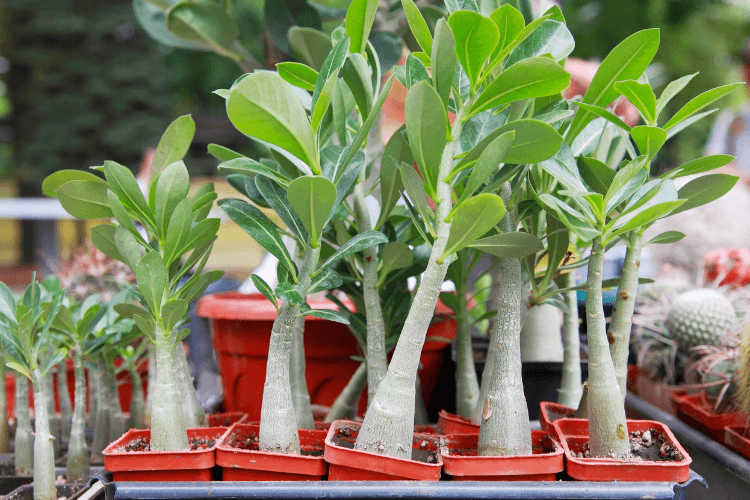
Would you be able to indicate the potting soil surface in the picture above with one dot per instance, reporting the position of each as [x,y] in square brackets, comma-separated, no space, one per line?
[651,446]
[547,445]
[249,441]
[144,444]
[346,436]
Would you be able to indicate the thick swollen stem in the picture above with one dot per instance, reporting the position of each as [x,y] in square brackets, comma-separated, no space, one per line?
[622,314]
[44,453]
[116,418]
[151,381]
[193,414]
[467,385]
[167,427]
[489,361]
[77,466]
[504,424]
[24,438]
[278,423]
[66,408]
[377,361]
[420,410]
[570,386]
[54,424]
[346,403]
[137,405]
[4,435]
[608,431]
[389,423]
[93,392]
[297,380]
[101,425]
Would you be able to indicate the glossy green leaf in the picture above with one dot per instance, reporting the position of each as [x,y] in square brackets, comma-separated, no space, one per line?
[265,289]
[327,315]
[427,129]
[312,198]
[357,75]
[551,37]
[7,303]
[415,189]
[527,79]
[671,90]
[260,228]
[489,161]
[476,38]
[627,180]
[666,238]
[57,179]
[705,189]
[395,153]
[246,185]
[699,102]
[310,45]
[152,18]
[648,139]
[103,238]
[415,71]
[178,230]
[562,166]
[646,217]
[466,5]
[173,145]
[628,60]
[323,102]
[204,22]
[263,107]
[298,74]
[172,187]
[327,279]
[85,199]
[222,153]
[197,288]
[275,195]
[607,115]
[512,245]
[146,325]
[200,233]
[443,60]
[597,175]
[151,275]
[688,122]
[509,23]
[123,218]
[249,167]
[356,244]
[122,182]
[570,217]
[417,25]
[478,132]
[172,312]
[331,66]
[359,18]
[699,166]
[395,255]
[641,96]
[558,241]
[472,220]
[289,293]
[128,247]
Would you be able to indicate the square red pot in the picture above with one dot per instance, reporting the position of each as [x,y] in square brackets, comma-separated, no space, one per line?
[462,463]
[696,410]
[573,433]
[448,423]
[737,438]
[348,464]
[549,412]
[240,464]
[189,465]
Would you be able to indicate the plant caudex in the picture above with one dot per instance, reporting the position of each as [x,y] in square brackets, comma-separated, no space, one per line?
[175,224]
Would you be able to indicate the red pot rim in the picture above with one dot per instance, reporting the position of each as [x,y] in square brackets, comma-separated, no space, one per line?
[122,461]
[545,407]
[461,425]
[229,456]
[366,460]
[513,465]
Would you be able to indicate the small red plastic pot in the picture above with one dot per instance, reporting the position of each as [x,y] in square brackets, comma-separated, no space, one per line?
[226,419]
[462,463]
[737,438]
[448,423]
[732,263]
[573,434]
[348,464]
[189,465]
[238,455]
[696,410]
[549,412]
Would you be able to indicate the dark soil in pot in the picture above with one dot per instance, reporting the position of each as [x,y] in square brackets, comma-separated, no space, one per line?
[347,436]
[248,440]
[650,445]
[141,444]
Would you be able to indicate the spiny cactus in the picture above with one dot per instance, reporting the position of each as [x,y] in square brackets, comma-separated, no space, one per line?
[700,317]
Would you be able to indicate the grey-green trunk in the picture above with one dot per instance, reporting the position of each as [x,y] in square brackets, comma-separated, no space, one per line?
[116,418]
[467,384]
[101,426]
[54,423]
[346,403]
[541,337]
[489,362]
[608,431]
[44,453]
[151,381]
[167,426]
[93,381]
[24,438]
[297,367]
[420,410]
[137,405]
[193,414]
[570,386]
[66,408]
[77,466]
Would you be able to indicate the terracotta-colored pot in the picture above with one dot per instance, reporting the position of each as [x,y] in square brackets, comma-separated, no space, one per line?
[247,463]
[188,465]
[697,411]
[348,464]
[658,393]
[549,412]
[226,419]
[573,434]
[737,438]
[462,463]
[448,423]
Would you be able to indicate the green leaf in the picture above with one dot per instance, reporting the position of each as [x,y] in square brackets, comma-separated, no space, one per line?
[173,145]
[249,167]
[172,187]
[597,175]
[415,71]
[178,230]
[527,79]
[289,293]
[333,160]
[427,129]
[122,182]
[200,233]
[310,45]
[688,122]
[443,60]
[476,38]
[357,74]
[206,23]
[627,180]
[331,67]
[20,369]
[671,90]
[128,311]
[146,325]
[275,195]
[456,5]
[128,247]
[649,139]
[326,314]
[172,312]
[7,303]
[359,18]
[151,275]
[122,216]
[260,228]
[570,217]
[396,152]
[223,154]
[628,60]
[699,165]
[196,288]
[607,115]
[417,25]
[415,189]
[699,102]
[641,96]
[645,217]
[356,244]
[320,107]
[312,198]
[85,199]
[327,279]
[298,74]
[509,23]
[57,179]
[265,289]
[263,107]
[103,238]
[705,189]
[562,166]
[152,18]
[473,219]
[488,162]
[551,37]
[558,241]
[512,245]
[395,255]
[666,237]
